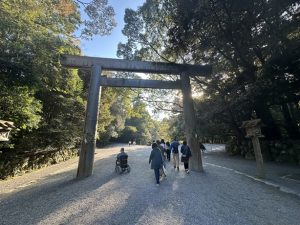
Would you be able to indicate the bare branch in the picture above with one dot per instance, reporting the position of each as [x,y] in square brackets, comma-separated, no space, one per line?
[159,101]
[84,4]
[169,110]
[145,42]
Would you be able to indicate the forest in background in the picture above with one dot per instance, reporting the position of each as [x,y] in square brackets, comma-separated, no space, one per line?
[253,47]
[47,102]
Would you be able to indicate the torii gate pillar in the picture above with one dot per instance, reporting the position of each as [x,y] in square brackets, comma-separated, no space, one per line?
[88,145]
[190,124]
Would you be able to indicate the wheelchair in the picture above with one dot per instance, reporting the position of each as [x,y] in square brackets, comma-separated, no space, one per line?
[122,165]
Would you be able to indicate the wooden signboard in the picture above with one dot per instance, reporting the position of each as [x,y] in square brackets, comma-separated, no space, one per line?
[253,131]
[5,128]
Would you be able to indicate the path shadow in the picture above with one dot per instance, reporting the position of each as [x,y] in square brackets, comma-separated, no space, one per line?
[31,205]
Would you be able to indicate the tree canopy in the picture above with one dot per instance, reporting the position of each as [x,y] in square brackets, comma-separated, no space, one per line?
[253,47]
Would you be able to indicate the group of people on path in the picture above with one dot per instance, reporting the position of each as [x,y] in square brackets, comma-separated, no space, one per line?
[161,152]
[132,143]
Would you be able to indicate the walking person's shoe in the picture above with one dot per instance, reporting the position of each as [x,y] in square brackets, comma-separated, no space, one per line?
[187,172]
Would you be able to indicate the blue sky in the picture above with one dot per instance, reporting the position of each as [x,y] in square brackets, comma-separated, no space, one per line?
[107,46]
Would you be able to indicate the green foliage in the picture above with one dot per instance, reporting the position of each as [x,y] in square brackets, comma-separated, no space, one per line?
[243,41]
[252,46]
[139,126]
[164,127]
[19,105]
[108,96]
[45,101]
[146,30]
[100,18]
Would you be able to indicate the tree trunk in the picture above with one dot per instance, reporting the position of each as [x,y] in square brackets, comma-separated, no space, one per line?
[236,128]
[190,124]
[295,111]
[290,124]
[270,130]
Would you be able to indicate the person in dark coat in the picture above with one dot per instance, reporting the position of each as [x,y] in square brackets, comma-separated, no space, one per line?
[156,161]
[185,157]
[122,155]
[202,147]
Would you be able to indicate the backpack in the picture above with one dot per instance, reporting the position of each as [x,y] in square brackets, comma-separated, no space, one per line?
[175,149]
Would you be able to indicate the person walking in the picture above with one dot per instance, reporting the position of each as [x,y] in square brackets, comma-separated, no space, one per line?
[202,147]
[168,151]
[156,161]
[185,157]
[161,145]
[175,153]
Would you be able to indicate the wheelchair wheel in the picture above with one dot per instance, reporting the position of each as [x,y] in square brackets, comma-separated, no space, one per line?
[117,169]
[128,169]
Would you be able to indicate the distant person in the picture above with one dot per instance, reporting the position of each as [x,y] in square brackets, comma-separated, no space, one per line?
[168,151]
[156,161]
[129,143]
[134,143]
[185,157]
[122,155]
[162,149]
[163,144]
[175,153]
[202,147]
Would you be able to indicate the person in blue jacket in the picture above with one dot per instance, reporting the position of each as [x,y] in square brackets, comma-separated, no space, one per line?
[156,161]
[175,153]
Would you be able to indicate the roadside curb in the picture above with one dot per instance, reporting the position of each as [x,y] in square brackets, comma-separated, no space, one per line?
[264,181]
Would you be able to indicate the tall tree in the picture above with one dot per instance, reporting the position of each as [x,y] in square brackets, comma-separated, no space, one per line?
[241,39]
[44,100]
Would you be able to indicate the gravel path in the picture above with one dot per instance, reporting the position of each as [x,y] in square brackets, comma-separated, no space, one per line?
[277,174]
[216,196]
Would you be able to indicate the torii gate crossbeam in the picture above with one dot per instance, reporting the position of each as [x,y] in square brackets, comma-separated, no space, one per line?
[73,61]
[139,83]
[88,146]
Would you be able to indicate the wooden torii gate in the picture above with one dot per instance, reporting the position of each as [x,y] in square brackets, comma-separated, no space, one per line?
[86,159]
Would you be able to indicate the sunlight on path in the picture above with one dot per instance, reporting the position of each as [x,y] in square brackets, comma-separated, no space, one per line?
[26,180]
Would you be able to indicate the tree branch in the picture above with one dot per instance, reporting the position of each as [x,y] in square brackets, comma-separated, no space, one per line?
[145,42]
[159,101]
[84,4]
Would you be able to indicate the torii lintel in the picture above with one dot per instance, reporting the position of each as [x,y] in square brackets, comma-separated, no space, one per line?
[73,61]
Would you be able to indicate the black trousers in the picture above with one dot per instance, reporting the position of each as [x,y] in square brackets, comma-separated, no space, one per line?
[156,173]
[186,165]
[168,154]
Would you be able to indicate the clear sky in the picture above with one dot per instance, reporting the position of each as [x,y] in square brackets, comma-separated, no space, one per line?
[107,46]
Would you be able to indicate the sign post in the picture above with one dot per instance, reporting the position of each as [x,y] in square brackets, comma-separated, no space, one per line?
[253,131]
